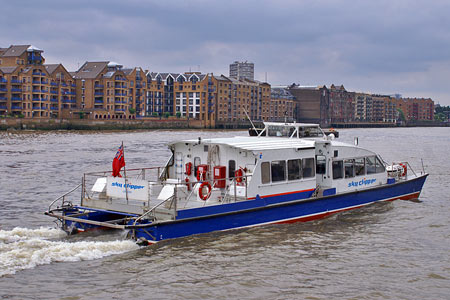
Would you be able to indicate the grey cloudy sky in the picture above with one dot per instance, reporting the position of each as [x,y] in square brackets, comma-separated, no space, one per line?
[385,46]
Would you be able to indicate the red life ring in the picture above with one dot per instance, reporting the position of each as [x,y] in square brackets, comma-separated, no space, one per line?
[188,168]
[405,169]
[238,175]
[202,196]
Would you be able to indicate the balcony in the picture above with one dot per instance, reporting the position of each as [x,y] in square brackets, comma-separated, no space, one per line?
[98,93]
[36,72]
[44,81]
[15,81]
[16,99]
[44,91]
[36,90]
[54,100]
[37,99]
[3,90]
[16,107]
[3,80]
[63,84]
[54,92]
[99,86]
[37,107]
[119,109]
[54,108]
[3,98]
[54,83]
[99,101]
[68,101]
[3,107]
[36,82]
[73,85]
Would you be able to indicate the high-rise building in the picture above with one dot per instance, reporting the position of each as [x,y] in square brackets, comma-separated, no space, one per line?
[242,70]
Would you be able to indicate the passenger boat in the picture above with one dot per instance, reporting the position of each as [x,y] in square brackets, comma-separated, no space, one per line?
[288,172]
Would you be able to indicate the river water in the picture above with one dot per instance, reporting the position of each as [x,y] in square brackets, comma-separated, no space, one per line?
[396,250]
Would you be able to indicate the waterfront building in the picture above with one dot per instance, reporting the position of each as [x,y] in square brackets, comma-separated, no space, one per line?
[137,91]
[31,89]
[313,104]
[242,70]
[236,95]
[103,91]
[416,109]
[341,109]
[282,105]
[189,95]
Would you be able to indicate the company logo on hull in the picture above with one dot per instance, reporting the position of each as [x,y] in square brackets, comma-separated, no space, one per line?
[362,182]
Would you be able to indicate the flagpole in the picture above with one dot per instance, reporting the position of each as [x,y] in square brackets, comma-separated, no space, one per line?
[125,173]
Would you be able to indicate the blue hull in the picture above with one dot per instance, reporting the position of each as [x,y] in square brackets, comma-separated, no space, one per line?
[271,210]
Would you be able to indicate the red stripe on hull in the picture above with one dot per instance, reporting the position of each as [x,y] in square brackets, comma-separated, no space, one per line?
[326,214]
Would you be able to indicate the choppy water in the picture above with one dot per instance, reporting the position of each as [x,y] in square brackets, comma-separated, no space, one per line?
[398,250]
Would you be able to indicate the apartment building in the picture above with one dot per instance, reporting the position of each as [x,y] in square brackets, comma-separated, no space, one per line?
[282,105]
[31,89]
[235,96]
[106,91]
[341,104]
[189,95]
[242,70]
[418,109]
[313,104]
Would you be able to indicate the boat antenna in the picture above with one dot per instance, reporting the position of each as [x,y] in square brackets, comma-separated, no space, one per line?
[253,125]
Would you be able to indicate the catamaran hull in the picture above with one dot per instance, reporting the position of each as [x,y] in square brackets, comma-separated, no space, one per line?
[258,212]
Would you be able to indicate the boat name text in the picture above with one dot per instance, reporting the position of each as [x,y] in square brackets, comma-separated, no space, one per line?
[361,182]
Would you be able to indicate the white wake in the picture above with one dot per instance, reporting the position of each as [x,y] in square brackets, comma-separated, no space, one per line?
[23,248]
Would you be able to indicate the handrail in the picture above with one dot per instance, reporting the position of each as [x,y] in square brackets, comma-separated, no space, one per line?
[62,196]
[152,209]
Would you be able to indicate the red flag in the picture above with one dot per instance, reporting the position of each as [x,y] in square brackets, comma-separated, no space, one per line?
[118,162]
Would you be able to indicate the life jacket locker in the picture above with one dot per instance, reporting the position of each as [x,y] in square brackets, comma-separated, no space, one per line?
[220,175]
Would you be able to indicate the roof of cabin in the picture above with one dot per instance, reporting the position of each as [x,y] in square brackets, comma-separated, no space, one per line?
[257,143]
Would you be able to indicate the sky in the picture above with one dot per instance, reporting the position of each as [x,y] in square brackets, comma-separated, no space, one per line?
[383,46]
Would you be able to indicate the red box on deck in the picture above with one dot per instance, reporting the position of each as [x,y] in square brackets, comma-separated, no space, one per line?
[220,175]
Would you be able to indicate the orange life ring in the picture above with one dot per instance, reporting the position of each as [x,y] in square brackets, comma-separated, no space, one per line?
[202,196]
[405,169]
[188,168]
[238,175]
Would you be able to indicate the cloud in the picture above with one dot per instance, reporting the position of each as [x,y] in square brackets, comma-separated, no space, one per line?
[383,46]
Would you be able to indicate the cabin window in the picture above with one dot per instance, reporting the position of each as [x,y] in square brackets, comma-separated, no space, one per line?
[338,168]
[308,167]
[265,172]
[294,169]
[379,167]
[321,166]
[349,168]
[231,168]
[197,161]
[359,167]
[278,169]
[370,165]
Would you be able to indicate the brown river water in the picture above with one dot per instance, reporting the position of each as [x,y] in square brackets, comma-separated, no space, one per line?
[397,250]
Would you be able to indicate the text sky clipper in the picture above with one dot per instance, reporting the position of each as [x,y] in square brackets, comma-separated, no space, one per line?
[285,172]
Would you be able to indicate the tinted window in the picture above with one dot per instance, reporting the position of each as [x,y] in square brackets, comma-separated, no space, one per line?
[338,169]
[359,167]
[321,166]
[231,168]
[370,165]
[294,169]
[349,168]
[265,172]
[308,167]
[278,169]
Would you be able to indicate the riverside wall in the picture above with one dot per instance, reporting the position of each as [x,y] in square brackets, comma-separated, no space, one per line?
[75,124]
